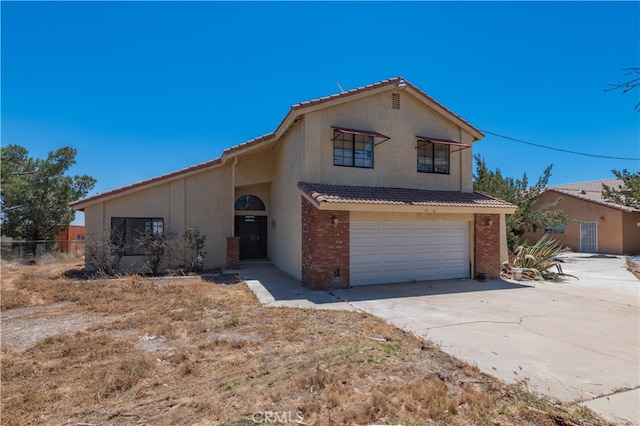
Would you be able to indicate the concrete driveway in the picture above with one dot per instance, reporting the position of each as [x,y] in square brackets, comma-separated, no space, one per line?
[572,340]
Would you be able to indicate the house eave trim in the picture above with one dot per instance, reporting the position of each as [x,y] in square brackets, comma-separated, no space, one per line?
[364,207]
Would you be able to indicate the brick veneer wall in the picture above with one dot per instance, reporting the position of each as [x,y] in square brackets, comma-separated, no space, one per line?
[233,252]
[487,245]
[325,248]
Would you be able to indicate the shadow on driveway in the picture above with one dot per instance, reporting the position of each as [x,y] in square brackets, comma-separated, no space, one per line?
[424,288]
[274,287]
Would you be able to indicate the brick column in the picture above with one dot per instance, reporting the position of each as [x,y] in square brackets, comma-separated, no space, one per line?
[486,238]
[325,248]
[233,252]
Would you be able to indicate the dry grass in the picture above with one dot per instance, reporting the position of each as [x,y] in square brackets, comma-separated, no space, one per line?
[186,351]
[634,268]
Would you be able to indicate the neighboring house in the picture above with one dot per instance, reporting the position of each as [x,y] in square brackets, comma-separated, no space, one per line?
[598,225]
[372,185]
[71,239]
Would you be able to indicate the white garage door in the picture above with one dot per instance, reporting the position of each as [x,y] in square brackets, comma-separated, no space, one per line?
[401,251]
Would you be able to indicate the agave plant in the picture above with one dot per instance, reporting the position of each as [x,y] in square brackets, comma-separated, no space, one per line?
[537,261]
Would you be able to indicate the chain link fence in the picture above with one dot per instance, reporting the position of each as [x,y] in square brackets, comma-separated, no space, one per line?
[32,250]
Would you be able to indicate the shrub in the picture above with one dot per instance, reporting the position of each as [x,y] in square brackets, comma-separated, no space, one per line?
[153,244]
[537,261]
[104,254]
[194,241]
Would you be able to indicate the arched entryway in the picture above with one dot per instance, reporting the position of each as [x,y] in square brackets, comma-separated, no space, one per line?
[251,227]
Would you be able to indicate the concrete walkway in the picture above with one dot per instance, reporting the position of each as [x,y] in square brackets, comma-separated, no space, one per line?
[273,287]
[573,340]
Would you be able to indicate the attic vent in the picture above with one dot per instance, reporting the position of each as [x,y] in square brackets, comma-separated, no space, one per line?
[395,100]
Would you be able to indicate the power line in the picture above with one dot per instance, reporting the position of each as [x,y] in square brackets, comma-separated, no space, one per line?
[560,149]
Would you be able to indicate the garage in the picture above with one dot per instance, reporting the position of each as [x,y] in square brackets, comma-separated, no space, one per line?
[385,251]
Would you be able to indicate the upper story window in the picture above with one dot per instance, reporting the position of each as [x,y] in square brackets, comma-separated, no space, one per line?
[352,149]
[434,154]
[433,157]
[126,232]
[249,202]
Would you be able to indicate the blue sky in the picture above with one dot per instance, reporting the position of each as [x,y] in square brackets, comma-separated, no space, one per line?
[142,89]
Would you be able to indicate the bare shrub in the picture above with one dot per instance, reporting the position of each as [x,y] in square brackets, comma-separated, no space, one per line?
[103,253]
[154,245]
[189,249]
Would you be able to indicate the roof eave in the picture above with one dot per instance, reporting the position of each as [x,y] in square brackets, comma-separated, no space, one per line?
[611,205]
[410,208]
[371,89]
[81,204]
[294,114]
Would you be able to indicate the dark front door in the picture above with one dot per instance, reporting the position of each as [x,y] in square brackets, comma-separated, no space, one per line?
[252,231]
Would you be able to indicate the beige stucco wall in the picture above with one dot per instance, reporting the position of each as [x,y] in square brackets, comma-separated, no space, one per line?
[255,167]
[207,207]
[395,159]
[610,223]
[95,229]
[198,201]
[285,238]
[261,191]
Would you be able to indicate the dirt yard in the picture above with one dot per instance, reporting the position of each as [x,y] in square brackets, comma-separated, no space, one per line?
[195,351]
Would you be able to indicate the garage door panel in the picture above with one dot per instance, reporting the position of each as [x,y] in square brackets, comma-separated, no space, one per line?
[399,242]
[396,275]
[403,256]
[430,246]
[427,225]
[454,249]
[428,267]
[365,224]
[401,251]
[395,225]
[428,241]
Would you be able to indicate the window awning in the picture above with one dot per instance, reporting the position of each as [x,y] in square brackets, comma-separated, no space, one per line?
[442,141]
[363,133]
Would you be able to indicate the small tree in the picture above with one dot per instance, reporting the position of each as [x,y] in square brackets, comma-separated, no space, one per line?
[531,215]
[627,194]
[36,193]
[188,250]
[103,253]
[194,241]
[154,245]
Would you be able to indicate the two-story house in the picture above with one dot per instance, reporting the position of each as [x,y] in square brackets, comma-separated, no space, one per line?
[368,186]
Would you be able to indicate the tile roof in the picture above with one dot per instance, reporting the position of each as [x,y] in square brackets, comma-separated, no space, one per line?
[295,110]
[389,82]
[146,182]
[322,193]
[592,191]
[187,170]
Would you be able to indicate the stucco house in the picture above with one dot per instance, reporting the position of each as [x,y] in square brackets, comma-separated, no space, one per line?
[597,225]
[371,185]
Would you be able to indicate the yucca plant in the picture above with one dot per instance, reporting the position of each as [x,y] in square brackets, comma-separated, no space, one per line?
[537,261]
